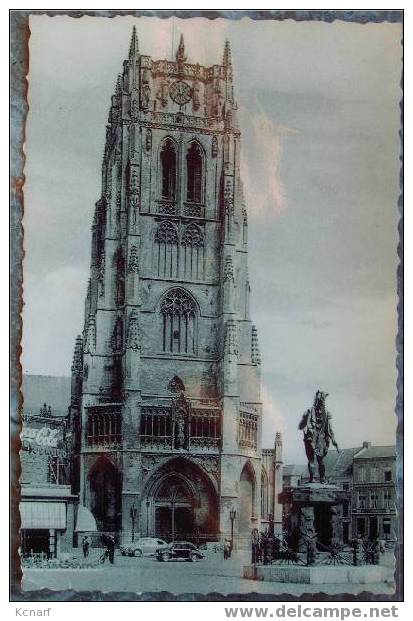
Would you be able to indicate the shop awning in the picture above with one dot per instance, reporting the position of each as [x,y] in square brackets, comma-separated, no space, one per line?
[40,515]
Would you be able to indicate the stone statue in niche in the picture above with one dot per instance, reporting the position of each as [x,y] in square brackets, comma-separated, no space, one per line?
[135,183]
[134,110]
[196,100]
[181,408]
[145,90]
[176,385]
[218,101]
[180,432]
[163,93]
[148,140]
[317,434]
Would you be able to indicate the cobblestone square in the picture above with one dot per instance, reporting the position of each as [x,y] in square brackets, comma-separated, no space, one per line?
[211,575]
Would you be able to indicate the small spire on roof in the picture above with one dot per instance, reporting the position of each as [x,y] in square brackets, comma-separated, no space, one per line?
[180,53]
[118,88]
[226,61]
[134,44]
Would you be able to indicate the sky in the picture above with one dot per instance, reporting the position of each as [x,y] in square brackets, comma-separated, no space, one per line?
[319,114]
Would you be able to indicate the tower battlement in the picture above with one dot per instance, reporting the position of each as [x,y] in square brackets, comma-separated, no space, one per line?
[175,92]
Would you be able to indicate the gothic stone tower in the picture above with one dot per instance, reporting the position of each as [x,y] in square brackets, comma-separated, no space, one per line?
[166,406]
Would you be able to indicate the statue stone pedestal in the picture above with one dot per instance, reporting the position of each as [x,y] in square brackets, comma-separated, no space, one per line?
[314,509]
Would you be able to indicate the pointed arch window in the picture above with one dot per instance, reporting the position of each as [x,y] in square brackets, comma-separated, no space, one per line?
[166,251]
[179,322]
[194,173]
[192,254]
[168,170]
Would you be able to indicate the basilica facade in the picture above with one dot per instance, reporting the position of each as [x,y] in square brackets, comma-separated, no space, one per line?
[166,412]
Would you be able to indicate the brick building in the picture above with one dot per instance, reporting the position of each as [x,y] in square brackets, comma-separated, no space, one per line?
[166,408]
[47,504]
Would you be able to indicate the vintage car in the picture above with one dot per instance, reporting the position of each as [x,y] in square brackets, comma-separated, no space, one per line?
[144,546]
[180,550]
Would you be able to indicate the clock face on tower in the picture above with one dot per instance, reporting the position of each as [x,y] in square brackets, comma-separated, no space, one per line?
[180,92]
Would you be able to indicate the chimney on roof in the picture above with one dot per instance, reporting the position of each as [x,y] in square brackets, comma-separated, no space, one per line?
[366,445]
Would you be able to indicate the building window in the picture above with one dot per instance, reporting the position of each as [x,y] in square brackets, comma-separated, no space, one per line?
[374,500]
[361,475]
[179,319]
[166,251]
[205,428]
[192,253]
[104,429]
[387,528]
[388,476]
[387,499]
[194,173]
[362,501]
[346,486]
[168,170]
[374,475]
[345,509]
[157,428]
[57,471]
[247,430]
[361,526]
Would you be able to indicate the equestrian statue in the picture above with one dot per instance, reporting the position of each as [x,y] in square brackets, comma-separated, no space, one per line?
[318,432]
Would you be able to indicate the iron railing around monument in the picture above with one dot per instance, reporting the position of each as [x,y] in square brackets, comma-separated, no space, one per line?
[268,550]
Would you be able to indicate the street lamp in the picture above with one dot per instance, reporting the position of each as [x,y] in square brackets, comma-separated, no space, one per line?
[232,515]
[147,517]
[133,514]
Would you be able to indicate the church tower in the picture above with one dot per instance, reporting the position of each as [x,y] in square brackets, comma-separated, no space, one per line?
[166,407]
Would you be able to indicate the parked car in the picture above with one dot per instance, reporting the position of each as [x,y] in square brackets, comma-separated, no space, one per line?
[180,550]
[145,546]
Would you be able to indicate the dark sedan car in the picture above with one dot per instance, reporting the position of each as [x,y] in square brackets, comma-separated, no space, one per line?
[180,550]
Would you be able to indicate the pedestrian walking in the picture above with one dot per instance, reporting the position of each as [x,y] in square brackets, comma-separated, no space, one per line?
[105,553]
[111,545]
[85,546]
[255,546]
[227,549]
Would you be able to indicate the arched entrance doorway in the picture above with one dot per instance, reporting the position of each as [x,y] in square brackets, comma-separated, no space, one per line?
[105,501]
[246,498]
[174,509]
[181,502]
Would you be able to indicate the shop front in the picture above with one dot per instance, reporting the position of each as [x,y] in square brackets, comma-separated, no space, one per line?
[47,503]
[47,520]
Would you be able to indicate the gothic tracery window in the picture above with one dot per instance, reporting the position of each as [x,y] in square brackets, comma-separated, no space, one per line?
[168,170]
[194,165]
[166,251]
[192,243]
[179,322]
